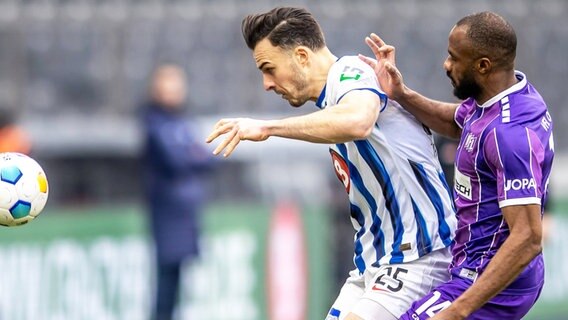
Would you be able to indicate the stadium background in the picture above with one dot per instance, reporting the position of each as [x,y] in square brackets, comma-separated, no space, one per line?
[74,71]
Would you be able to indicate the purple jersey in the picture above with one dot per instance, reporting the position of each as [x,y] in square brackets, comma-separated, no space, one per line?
[504,158]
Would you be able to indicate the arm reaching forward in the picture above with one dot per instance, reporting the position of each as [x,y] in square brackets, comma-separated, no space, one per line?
[352,119]
[437,115]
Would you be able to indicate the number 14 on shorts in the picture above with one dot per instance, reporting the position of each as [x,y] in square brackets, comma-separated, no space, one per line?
[431,306]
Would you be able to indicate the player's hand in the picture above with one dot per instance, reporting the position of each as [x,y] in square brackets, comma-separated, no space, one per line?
[390,78]
[237,129]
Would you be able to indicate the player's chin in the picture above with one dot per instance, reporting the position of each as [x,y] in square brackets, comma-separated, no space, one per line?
[296,103]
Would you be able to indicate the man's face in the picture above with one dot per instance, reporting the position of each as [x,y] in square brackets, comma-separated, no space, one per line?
[281,72]
[169,86]
[459,65]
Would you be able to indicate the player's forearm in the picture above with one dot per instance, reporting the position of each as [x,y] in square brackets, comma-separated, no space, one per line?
[509,261]
[335,125]
[437,115]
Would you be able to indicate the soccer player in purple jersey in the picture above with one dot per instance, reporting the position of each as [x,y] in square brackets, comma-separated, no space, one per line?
[502,164]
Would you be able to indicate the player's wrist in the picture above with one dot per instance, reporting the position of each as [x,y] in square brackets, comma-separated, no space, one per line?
[403,95]
[269,128]
[461,308]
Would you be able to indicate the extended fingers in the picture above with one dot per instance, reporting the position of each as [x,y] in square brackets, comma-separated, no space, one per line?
[221,123]
[221,127]
[232,145]
[230,136]
[378,46]
[374,42]
[374,46]
[371,62]
[377,40]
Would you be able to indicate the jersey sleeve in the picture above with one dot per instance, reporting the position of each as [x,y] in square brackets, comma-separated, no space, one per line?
[516,156]
[353,74]
[462,111]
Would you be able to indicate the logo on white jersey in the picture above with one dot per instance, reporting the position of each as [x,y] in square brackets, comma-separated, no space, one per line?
[462,184]
[518,184]
[341,169]
[469,142]
[350,73]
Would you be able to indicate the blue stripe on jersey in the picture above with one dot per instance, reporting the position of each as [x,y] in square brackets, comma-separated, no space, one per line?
[381,95]
[321,97]
[378,236]
[379,171]
[358,258]
[423,240]
[422,177]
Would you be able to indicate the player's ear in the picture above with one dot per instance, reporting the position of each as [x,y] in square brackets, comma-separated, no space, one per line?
[483,65]
[302,55]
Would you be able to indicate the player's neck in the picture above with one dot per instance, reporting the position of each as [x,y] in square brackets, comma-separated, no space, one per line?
[323,61]
[497,83]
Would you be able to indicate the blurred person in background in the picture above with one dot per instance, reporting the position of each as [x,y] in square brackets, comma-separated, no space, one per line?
[13,138]
[399,205]
[503,164]
[175,163]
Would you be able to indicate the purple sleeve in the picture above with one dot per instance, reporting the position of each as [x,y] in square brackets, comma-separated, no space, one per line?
[462,111]
[515,155]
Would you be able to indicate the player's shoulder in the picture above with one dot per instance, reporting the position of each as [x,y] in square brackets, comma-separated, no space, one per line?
[351,70]
[352,61]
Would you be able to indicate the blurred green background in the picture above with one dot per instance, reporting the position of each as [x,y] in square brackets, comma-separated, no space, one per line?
[96,264]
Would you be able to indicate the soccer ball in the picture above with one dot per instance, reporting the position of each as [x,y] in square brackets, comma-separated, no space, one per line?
[23,189]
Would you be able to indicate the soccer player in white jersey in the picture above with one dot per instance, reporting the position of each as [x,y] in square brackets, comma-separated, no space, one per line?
[400,205]
[503,164]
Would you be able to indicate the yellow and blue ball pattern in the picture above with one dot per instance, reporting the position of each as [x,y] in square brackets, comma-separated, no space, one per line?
[23,189]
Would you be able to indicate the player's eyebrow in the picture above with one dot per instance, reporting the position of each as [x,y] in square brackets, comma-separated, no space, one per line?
[262,65]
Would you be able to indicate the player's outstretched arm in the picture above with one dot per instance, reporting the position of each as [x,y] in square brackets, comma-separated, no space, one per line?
[352,119]
[520,248]
[437,115]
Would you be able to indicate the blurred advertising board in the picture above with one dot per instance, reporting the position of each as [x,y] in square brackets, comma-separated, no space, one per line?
[97,264]
[88,264]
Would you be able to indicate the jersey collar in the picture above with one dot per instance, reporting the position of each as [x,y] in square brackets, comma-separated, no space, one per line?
[516,87]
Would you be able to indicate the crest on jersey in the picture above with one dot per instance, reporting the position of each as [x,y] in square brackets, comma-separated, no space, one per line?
[469,142]
[341,169]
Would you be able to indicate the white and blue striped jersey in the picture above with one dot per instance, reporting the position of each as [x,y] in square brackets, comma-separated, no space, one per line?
[401,206]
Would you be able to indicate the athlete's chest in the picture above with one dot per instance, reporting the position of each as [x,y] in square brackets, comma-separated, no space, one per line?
[470,155]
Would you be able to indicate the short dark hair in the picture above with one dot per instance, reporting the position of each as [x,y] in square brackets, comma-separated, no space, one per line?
[491,36]
[285,27]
